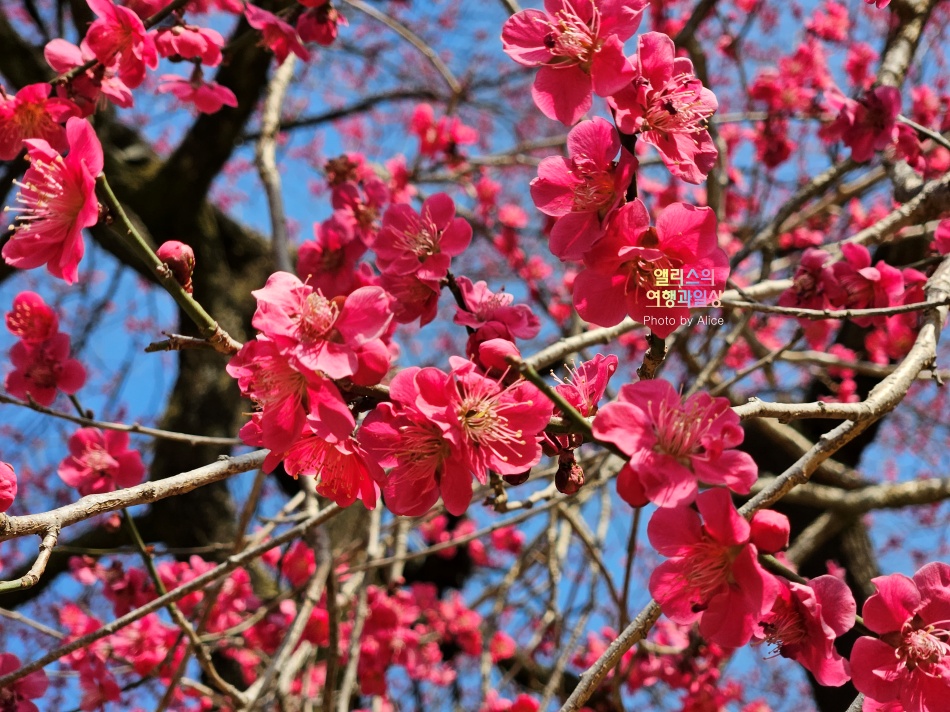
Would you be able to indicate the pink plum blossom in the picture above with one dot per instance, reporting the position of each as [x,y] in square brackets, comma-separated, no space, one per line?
[86,88]
[421,243]
[8,486]
[57,200]
[278,36]
[867,125]
[804,622]
[855,284]
[909,660]
[413,297]
[328,262]
[32,319]
[809,288]
[100,462]
[16,697]
[345,472]
[485,307]
[320,23]
[118,36]
[207,97]
[620,268]
[673,445]
[578,47]
[400,437]
[496,428]
[42,369]
[190,42]
[32,114]
[811,285]
[582,190]
[285,395]
[441,429]
[444,136]
[338,337]
[712,572]
[587,383]
[669,108]
[144,643]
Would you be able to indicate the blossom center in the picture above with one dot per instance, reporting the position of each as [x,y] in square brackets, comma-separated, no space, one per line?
[859,289]
[423,446]
[99,461]
[707,568]
[572,39]
[595,192]
[30,118]
[317,317]
[783,626]
[677,107]
[421,240]
[923,647]
[485,423]
[680,429]
[43,372]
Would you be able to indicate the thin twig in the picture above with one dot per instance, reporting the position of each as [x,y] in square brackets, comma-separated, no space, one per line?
[121,427]
[265,155]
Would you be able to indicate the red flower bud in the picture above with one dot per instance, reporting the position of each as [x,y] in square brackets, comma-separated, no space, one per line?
[180,259]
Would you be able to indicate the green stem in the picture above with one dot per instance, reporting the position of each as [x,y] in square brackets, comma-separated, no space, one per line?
[209,328]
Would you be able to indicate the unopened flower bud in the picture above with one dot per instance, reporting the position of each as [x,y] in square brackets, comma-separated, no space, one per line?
[180,259]
[515,480]
[569,477]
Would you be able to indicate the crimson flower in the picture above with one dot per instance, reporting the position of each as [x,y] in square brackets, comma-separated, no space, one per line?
[278,36]
[421,243]
[443,136]
[497,428]
[8,487]
[119,37]
[578,45]
[810,283]
[399,436]
[320,23]
[620,268]
[909,661]
[32,114]
[338,337]
[57,200]
[327,450]
[586,383]
[855,284]
[328,262]
[32,319]
[284,394]
[713,573]
[484,307]
[42,369]
[673,445]
[190,42]
[441,429]
[16,697]
[207,97]
[867,125]
[804,622]
[86,88]
[100,462]
[668,107]
[581,191]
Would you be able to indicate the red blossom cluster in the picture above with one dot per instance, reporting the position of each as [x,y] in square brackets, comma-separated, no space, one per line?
[42,364]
